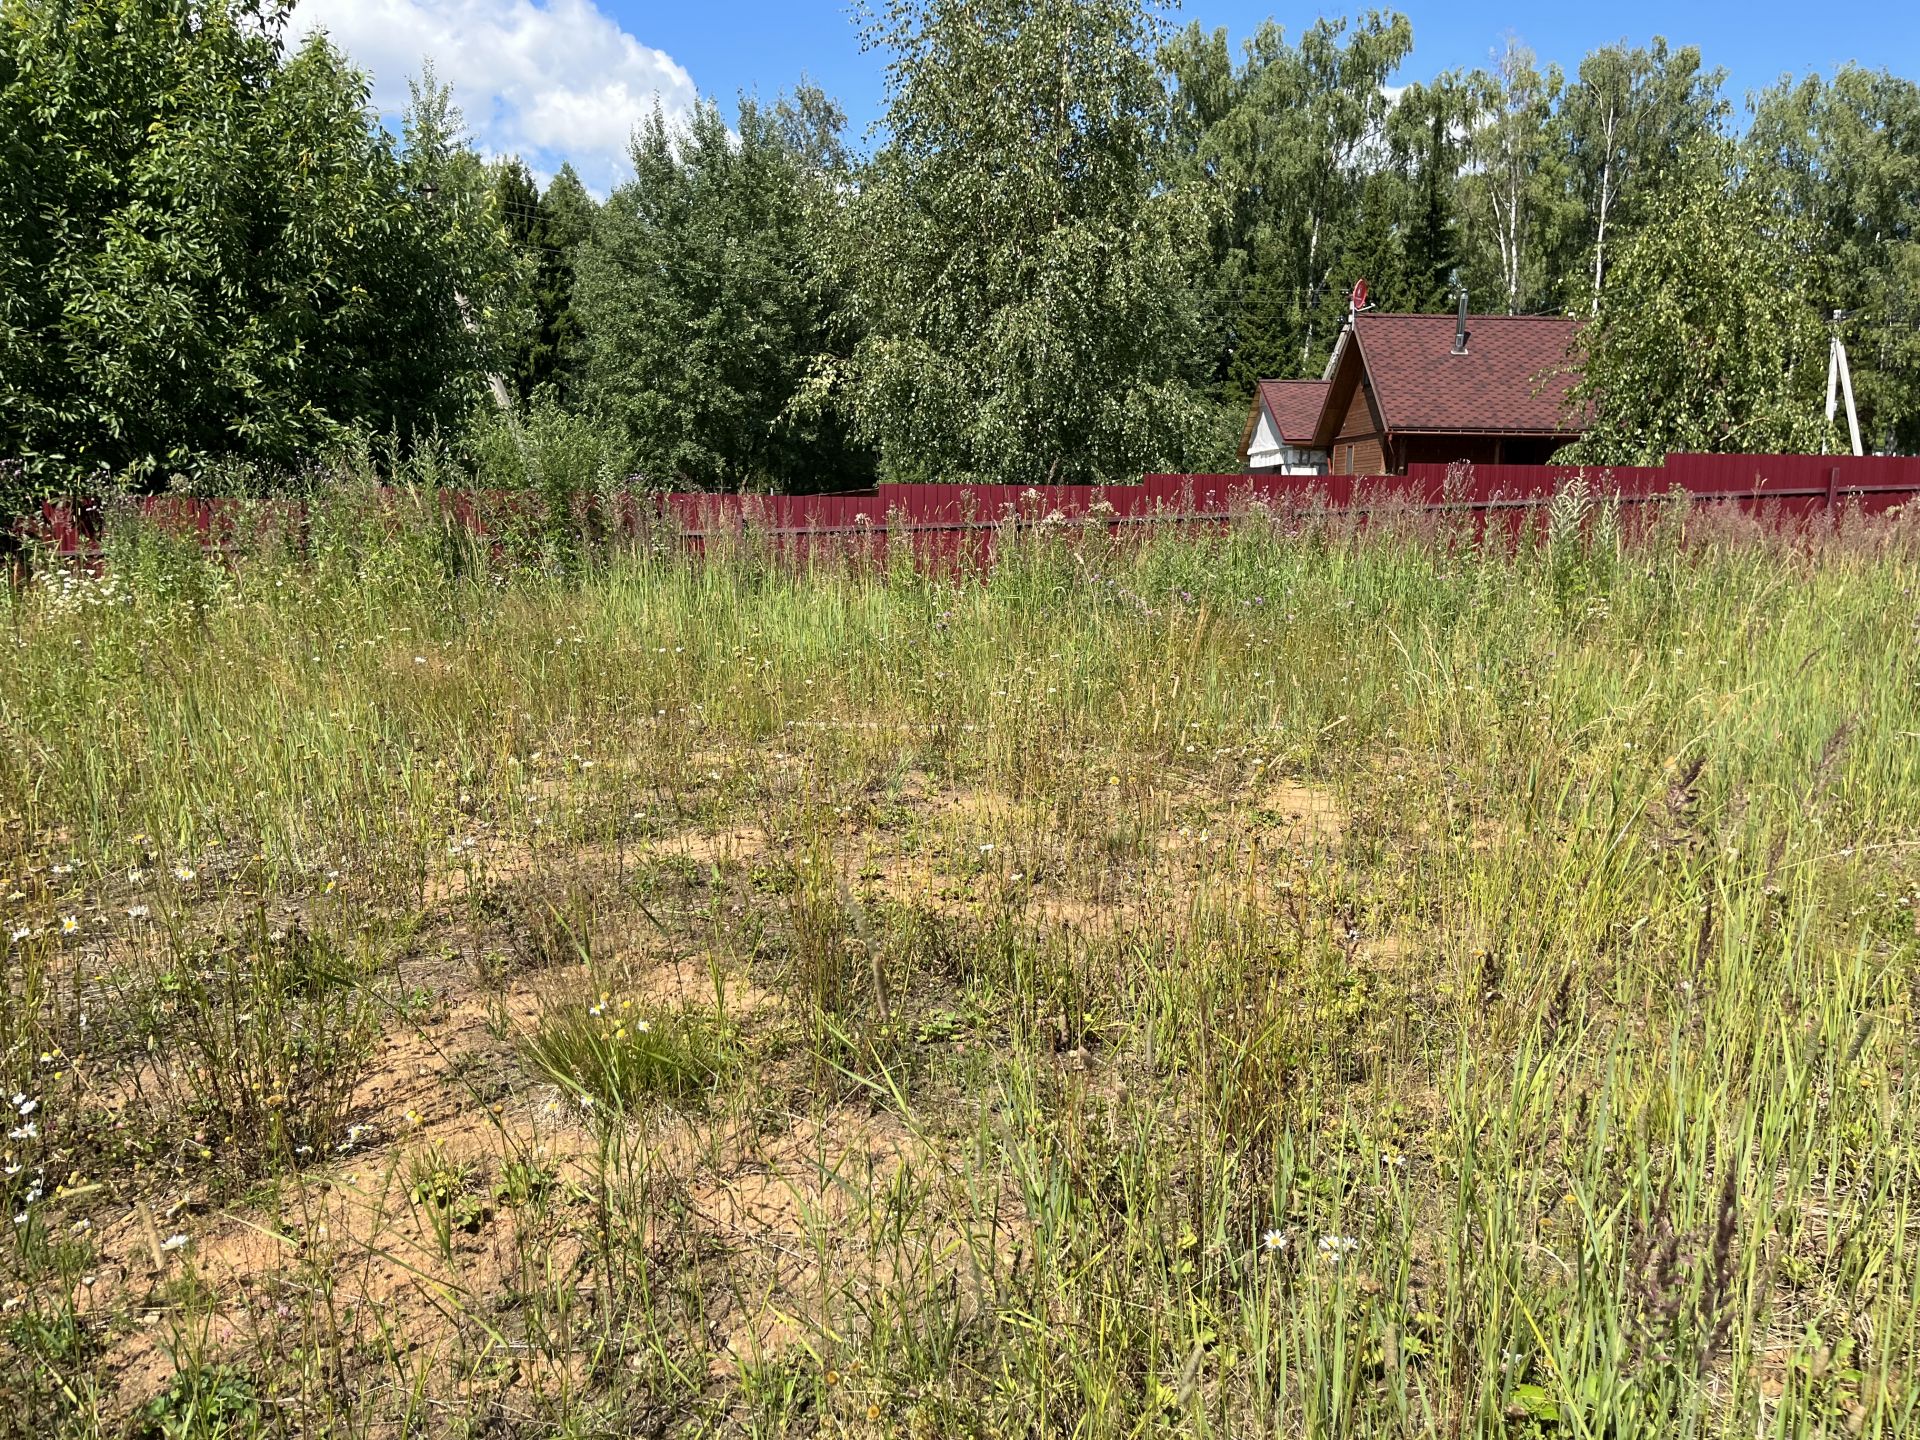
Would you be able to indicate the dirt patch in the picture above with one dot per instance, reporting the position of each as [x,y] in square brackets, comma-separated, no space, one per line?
[806,1219]
[712,849]
[697,984]
[1307,813]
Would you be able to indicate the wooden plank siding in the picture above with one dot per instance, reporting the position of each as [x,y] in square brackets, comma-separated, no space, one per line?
[1360,443]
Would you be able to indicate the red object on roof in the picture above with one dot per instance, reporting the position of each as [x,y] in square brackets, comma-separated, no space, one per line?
[1512,380]
[1295,406]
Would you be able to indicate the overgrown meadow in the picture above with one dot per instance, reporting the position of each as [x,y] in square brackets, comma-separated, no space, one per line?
[1285,980]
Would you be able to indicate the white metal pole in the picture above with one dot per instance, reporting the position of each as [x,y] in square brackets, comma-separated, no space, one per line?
[1846,388]
[1833,386]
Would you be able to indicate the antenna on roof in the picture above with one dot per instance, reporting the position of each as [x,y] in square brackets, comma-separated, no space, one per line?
[1840,378]
[1460,327]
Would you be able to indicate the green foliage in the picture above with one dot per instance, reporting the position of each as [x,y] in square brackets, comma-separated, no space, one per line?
[1624,121]
[1843,157]
[1705,338]
[1509,189]
[1432,247]
[547,232]
[1081,242]
[1019,275]
[1288,148]
[609,1056]
[704,301]
[565,468]
[213,1402]
[207,249]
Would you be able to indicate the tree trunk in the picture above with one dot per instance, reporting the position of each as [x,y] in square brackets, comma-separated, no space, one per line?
[1610,129]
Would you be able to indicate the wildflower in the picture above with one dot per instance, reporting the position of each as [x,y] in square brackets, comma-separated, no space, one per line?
[183,873]
[641,1027]
[28,1131]
[25,1106]
[135,875]
[1274,1241]
[137,912]
[69,924]
[23,932]
[1334,1248]
[173,1242]
[63,869]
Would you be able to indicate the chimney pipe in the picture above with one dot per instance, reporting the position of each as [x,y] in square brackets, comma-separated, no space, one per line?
[1460,327]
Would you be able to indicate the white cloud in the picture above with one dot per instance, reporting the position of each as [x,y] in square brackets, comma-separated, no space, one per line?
[549,82]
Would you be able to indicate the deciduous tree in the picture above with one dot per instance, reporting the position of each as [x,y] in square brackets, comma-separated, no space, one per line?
[1704,338]
[1020,275]
[208,250]
[703,303]
[1843,157]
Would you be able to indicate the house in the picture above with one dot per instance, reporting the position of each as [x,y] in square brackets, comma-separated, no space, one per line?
[1411,389]
[1278,438]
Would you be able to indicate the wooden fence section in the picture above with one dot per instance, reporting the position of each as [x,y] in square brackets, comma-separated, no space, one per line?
[958,520]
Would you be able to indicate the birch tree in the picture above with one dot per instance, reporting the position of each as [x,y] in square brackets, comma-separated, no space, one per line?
[1506,189]
[1289,142]
[1020,277]
[1706,337]
[1625,115]
[1843,157]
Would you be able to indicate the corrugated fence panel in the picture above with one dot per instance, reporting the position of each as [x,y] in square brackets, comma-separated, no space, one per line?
[957,522]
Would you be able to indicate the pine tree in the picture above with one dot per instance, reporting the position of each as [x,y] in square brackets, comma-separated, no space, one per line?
[547,230]
[1432,247]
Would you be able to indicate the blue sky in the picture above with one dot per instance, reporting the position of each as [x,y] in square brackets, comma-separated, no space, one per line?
[566,79]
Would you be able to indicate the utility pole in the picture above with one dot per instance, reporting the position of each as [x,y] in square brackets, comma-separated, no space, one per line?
[1840,382]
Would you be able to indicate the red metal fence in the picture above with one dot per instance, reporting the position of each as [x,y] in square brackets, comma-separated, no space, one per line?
[961,519]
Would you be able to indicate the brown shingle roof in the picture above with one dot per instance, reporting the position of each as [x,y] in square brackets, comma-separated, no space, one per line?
[1513,379]
[1295,407]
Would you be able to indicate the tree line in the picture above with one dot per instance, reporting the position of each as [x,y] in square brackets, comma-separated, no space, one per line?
[1078,238]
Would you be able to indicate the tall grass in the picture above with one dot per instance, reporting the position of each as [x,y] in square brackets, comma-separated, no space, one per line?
[1285,980]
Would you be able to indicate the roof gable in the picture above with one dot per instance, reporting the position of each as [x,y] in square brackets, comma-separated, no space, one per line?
[1294,406]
